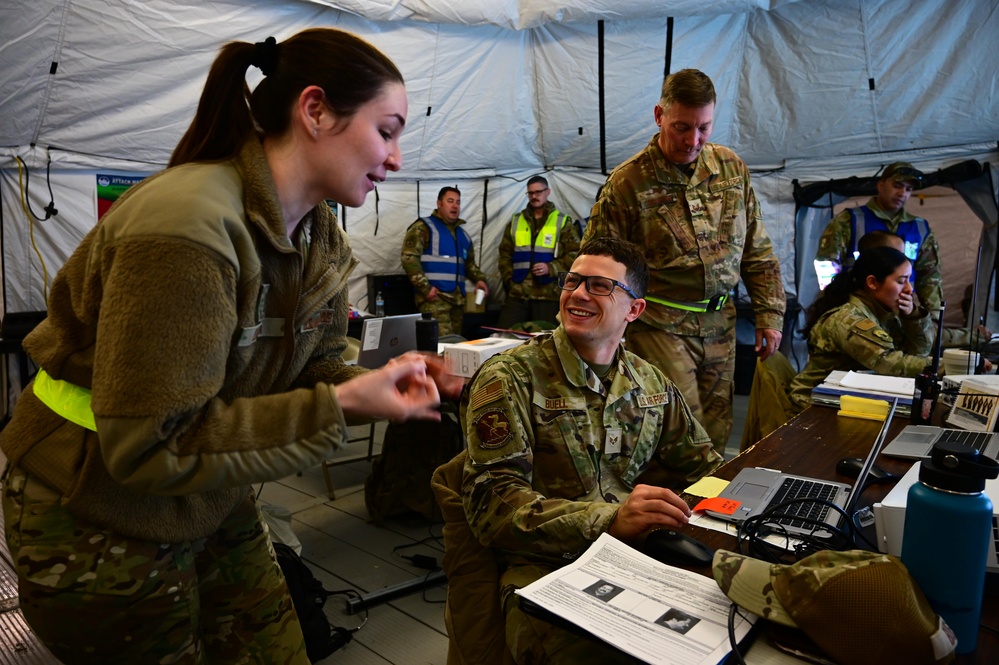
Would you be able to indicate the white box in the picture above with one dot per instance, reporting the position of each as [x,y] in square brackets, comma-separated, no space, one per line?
[463,358]
[889,517]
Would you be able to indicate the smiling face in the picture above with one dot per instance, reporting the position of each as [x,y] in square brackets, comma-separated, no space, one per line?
[683,130]
[359,151]
[596,324]
[888,291]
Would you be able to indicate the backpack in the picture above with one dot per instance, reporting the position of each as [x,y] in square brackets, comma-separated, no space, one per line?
[309,596]
[399,482]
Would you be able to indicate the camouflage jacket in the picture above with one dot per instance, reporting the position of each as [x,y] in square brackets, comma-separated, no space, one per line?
[701,234]
[863,335]
[568,248]
[413,245]
[552,450]
[835,244]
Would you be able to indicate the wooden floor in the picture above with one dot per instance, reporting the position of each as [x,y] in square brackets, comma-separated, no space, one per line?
[346,552]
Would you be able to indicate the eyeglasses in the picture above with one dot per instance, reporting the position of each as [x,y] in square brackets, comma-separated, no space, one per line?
[537,192]
[595,285]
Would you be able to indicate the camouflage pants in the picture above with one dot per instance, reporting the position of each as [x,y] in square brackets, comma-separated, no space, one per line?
[450,315]
[93,596]
[518,310]
[703,368]
[534,641]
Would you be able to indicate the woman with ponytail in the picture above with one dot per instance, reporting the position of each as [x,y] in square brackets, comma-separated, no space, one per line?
[193,347]
[865,320]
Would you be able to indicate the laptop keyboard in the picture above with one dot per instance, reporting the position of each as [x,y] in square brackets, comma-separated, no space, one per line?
[977,439]
[796,488]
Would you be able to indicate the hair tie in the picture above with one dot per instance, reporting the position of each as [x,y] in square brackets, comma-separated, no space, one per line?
[265,56]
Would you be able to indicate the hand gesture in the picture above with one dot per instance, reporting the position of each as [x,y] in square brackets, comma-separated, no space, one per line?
[399,391]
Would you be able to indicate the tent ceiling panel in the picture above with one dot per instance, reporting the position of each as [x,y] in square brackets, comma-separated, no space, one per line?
[475,83]
[934,86]
[522,14]
[28,47]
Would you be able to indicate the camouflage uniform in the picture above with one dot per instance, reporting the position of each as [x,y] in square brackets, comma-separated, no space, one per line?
[836,243]
[148,595]
[595,440]
[863,335]
[527,300]
[857,606]
[702,234]
[447,308]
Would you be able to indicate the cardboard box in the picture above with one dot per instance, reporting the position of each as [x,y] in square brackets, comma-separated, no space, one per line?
[463,358]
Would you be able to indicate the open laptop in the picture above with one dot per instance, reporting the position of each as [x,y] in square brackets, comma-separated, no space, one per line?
[758,489]
[385,337]
[916,441]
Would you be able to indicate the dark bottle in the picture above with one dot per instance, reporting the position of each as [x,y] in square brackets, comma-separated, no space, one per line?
[924,397]
[927,384]
[946,538]
[426,333]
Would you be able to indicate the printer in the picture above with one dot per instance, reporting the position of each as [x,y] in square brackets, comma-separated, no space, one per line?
[889,517]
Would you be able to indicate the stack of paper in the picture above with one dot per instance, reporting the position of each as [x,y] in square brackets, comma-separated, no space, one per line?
[860,384]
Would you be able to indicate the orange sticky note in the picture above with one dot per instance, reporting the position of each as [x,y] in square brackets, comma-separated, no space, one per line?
[719,505]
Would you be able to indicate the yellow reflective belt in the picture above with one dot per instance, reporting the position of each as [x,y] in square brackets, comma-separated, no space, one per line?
[709,305]
[69,401]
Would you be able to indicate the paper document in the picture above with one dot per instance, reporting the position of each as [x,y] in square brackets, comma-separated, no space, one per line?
[649,610]
[976,407]
[896,385]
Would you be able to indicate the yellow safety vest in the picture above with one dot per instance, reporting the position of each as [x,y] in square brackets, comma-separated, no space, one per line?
[70,401]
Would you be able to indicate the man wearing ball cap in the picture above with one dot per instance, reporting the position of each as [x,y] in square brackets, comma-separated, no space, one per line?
[859,607]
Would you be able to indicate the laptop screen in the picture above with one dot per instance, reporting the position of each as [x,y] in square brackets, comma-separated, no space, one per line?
[865,470]
[385,337]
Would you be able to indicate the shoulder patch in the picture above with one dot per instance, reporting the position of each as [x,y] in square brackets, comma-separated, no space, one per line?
[880,333]
[490,392]
[866,324]
[493,429]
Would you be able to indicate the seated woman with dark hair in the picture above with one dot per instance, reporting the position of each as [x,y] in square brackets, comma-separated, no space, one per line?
[865,320]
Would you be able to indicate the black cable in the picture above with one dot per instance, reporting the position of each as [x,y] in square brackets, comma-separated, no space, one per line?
[753,530]
[736,654]
[50,210]
[426,588]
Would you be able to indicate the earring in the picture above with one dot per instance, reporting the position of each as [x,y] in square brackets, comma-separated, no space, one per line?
[315,132]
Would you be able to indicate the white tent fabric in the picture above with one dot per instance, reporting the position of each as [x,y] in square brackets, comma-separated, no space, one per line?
[499,90]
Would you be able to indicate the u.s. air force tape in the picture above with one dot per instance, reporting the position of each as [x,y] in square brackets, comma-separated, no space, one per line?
[658,399]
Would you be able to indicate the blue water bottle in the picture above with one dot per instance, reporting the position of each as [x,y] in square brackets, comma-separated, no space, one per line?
[945,541]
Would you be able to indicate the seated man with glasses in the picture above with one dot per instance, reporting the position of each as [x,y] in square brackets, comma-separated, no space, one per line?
[569,436]
[539,243]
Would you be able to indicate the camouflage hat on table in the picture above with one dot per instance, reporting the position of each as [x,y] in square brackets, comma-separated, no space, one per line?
[858,606]
[903,172]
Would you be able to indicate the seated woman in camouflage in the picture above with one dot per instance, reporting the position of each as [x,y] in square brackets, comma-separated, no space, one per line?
[866,320]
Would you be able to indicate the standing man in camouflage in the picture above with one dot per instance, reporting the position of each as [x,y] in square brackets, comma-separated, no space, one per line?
[438,255]
[886,212]
[570,436]
[690,204]
[540,243]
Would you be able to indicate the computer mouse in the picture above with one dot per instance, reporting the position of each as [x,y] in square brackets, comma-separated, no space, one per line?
[851,466]
[677,549]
